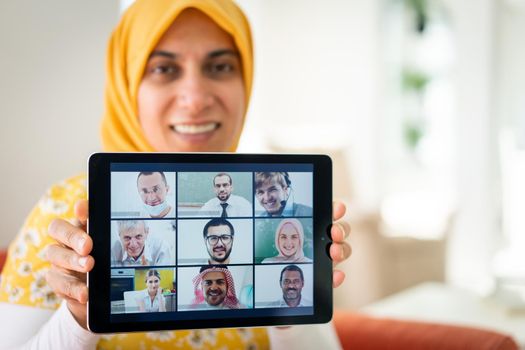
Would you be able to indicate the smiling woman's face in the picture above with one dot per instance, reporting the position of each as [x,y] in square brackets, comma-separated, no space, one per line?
[191,97]
[289,240]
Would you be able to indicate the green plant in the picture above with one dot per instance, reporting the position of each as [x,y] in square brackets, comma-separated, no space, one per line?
[420,11]
[413,80]
[413,132]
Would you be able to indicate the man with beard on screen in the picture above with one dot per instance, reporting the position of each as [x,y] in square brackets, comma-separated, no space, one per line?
[225,204]
[214,289]
[218,237]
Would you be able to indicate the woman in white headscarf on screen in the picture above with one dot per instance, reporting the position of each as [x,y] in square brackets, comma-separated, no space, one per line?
[289,242]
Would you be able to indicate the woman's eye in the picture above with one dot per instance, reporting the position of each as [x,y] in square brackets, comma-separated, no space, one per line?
[164,69]
[162,72]
[222,69]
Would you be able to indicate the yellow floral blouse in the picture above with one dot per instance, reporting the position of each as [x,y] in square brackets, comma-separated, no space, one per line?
[23,282]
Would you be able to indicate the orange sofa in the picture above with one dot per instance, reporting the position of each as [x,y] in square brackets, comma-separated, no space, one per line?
[358,331]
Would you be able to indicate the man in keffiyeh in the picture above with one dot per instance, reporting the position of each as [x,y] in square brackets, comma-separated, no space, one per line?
[214,288]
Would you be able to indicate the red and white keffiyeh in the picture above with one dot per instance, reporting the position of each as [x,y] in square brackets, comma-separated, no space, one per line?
[230,301]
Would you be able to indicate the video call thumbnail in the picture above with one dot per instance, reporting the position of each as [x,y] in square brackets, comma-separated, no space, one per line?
[215,241]
[215,194]
[215,287]
[284,240]
[289,285]
[283,194]
[143,195]
[143,290]
[143,242]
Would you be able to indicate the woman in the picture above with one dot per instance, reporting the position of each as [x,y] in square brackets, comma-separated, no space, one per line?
[152,299]
[179,76]
[289,242]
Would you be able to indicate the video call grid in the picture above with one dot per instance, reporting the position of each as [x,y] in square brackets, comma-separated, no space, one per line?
[178,219]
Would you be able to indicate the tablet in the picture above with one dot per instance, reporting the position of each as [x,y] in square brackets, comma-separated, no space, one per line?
[186,241]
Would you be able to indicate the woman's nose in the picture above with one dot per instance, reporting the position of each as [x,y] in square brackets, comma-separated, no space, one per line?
[194,93]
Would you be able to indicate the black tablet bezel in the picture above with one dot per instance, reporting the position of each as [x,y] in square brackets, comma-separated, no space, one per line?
[99,221]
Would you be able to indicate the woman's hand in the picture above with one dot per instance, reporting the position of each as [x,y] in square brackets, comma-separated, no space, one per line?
[339,250]
[70,260]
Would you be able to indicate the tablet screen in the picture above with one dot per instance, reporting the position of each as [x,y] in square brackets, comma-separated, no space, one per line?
[209,241]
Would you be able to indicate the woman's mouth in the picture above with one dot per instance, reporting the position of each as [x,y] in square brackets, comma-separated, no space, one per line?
[194,129]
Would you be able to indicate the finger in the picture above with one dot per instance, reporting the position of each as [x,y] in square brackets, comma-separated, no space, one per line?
[339,209]
[340,231]
[81,211]
[338,278]
[71,236]
[81,276]
[68,259]
[340,251]
[65,285]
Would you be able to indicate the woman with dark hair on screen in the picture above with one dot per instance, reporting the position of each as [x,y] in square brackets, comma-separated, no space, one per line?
[179,77]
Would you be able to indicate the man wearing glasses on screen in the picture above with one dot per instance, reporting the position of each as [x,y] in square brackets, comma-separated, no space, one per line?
[218,236]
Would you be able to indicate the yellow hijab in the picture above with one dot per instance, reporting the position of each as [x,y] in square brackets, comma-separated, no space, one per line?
[130,45]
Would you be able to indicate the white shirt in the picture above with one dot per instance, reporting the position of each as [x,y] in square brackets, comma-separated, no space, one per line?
[237,206]
[150,306]
[155,253]
[282,303]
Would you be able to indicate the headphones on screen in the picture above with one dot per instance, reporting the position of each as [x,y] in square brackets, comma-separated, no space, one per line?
[287,179]
[288,190]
